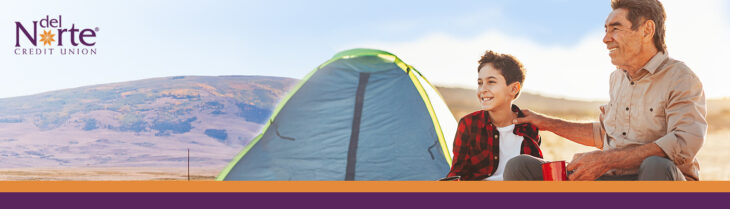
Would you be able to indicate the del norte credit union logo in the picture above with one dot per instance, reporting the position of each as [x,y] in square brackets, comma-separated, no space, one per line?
[50,36]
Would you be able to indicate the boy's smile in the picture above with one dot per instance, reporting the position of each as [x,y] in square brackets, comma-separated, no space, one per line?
[486,99]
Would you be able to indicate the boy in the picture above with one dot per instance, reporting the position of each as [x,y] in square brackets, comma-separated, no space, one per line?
[487,139]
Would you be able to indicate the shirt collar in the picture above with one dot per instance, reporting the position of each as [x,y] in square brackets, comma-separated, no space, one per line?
[522,129]
[654,62]
[514,109]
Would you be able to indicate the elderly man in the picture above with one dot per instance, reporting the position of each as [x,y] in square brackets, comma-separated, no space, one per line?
[654,123]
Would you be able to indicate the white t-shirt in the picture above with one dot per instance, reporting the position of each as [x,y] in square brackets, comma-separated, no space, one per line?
[509,147]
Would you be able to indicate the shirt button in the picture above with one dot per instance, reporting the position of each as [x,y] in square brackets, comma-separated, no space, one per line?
[632,83]
[651,109]
[496,136]
[627,108]
[495,157]
[624,133]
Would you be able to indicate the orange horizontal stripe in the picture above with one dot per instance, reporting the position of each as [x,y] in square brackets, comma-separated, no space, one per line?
[358,186]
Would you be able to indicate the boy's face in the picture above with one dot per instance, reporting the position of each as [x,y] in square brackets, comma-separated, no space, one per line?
[493,91]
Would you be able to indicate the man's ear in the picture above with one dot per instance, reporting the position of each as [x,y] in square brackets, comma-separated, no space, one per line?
[648,29]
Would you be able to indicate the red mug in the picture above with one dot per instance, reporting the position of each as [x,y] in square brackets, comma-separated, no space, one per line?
[554,171]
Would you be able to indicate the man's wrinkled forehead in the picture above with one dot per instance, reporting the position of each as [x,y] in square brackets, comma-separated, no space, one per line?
[617,17]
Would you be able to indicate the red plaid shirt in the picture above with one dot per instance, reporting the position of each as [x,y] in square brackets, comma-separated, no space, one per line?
[476,145]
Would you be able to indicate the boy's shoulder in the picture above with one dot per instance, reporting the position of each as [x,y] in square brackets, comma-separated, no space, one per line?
[477,119]
[476,115]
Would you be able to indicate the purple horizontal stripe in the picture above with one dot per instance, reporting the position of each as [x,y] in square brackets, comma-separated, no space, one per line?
[364,200]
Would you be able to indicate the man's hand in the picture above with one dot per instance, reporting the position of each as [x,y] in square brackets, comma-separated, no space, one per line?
[577,155]
[533,118]
[588,166]
[581,133]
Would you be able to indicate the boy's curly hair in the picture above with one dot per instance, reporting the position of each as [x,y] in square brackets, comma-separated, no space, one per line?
[508,65]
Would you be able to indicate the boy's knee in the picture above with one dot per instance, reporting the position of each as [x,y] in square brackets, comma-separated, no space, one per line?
[521,161]
[523,167]
[659,168]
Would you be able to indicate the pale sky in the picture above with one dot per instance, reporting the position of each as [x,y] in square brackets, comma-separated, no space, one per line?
[559,41]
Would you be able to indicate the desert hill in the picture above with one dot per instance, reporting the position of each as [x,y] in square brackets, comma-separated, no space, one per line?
[149,122]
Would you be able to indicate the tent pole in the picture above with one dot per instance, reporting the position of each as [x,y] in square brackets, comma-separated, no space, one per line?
[188,164]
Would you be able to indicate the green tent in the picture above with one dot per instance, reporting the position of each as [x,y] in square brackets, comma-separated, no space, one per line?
[362,115]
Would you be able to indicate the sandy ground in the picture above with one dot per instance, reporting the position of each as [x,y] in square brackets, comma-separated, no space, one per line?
[109,174]
[714,157]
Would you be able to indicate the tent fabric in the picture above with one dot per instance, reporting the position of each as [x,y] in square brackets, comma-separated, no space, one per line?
[362,115]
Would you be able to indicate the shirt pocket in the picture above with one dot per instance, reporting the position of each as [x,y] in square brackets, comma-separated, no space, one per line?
[609,118]
[654,124]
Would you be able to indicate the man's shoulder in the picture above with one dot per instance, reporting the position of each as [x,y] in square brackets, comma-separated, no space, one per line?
[675,67]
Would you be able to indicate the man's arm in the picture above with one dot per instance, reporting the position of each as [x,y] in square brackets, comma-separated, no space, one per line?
[591,165]
[631,157]
[581,133]
[686,123]
[686,127]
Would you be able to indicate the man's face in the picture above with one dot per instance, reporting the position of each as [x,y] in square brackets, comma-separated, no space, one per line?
[623,43]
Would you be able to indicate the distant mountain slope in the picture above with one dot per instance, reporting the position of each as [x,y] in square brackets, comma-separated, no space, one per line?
[148,122]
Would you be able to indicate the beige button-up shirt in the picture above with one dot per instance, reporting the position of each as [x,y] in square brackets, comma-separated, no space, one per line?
[664,104]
